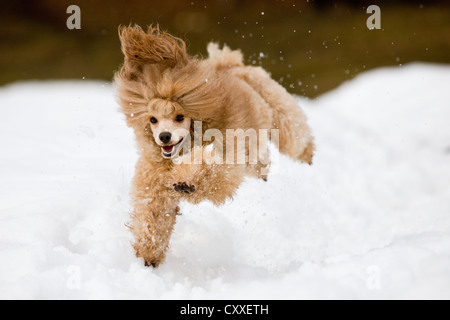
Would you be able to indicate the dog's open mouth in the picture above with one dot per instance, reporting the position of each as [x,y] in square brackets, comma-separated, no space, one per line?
[169,151]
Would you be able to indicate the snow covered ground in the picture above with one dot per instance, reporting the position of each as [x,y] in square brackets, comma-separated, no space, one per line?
[370,219]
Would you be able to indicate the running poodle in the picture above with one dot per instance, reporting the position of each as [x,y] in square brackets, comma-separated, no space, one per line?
[171,99]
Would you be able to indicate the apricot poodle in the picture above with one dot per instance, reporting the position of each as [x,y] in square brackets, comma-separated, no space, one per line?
[172,100]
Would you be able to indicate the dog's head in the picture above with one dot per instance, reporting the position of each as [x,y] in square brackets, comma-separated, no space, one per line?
[169,127]
[162,90]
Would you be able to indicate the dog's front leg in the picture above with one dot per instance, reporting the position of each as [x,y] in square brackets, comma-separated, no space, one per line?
[152,224]
[154,214]
[213,182]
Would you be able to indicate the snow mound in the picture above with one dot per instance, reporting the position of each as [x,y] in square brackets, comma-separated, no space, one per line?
[370,218]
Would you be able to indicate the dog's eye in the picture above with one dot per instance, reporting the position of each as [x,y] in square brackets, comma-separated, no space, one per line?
[179,118]
[153,120]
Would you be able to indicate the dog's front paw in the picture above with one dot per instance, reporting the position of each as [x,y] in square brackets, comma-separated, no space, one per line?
[184,187]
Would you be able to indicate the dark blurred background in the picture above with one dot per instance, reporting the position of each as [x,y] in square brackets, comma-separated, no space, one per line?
[309,46]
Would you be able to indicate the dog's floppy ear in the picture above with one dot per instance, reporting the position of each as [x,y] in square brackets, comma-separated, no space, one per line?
[152,47]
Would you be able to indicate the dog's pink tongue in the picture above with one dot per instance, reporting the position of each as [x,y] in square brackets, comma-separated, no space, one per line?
[168,149]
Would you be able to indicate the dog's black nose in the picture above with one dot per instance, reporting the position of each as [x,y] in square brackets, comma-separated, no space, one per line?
[165,137]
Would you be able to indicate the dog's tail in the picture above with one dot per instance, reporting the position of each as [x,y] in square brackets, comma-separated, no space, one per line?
[152,47]
[224,58]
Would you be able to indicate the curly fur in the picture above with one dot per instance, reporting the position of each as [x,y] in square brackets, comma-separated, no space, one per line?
[159,76]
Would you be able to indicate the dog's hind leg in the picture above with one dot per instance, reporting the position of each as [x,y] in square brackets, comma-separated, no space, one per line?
[259,165]
[295,139]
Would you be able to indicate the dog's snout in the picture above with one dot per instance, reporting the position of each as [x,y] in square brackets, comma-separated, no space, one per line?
[165,137]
